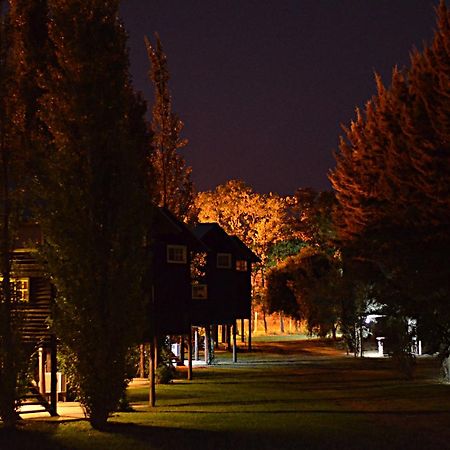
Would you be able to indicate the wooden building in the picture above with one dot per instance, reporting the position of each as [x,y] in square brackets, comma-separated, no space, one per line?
[225,293]
[168,287]
[170,273]
[35,303]
[243,295]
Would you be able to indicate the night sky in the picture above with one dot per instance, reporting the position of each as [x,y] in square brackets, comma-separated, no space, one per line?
[263,85]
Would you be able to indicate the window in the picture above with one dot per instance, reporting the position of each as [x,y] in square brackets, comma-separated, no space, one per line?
[241,265]
[177,254]
[20,288]
[199,291]
[223,260]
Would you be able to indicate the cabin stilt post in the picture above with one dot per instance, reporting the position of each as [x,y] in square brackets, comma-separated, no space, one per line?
[182,354]
[151,373]
[53,377]
[249,341]
[196,357]
[234,342]
[189,349]
[41,356]
[207,343]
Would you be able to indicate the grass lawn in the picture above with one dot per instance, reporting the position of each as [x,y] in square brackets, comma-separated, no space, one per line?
[285,395]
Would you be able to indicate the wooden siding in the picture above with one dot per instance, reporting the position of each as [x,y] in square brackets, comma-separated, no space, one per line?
[37,311]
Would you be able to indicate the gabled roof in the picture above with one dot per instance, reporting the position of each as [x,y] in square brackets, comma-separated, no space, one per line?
[165,223]
[216,238]
[243,251]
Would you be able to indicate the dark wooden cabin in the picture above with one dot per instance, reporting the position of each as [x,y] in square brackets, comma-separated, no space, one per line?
[35,304]
[34,288]
[243,295]
[225,295]
[171,247]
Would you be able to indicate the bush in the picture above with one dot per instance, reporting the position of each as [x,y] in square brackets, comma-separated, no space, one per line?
[165,373]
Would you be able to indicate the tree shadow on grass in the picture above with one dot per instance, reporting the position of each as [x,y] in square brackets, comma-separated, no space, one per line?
[28,436]
[162,438]
[189,439]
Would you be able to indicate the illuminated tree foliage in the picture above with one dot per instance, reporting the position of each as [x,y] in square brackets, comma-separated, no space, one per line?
[310,216]
[392,184]
[307,286]
[93,196]
[173,187]
[293,288]
[22,37]
[257,219]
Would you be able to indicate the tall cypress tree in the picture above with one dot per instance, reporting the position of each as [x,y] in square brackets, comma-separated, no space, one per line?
[173,186]
[22,35]
[392,183]
[92,196]
[9,338]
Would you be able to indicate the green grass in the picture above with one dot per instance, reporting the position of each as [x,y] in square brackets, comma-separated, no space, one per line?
[279,337]
[288,395]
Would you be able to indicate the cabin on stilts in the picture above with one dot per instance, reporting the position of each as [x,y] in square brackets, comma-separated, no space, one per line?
[35,302]
[224,295]
[169,286]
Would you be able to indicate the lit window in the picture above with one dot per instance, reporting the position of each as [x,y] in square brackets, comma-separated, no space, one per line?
[223,260]
[241,265]
[199,291]
[20,288]
[177,254]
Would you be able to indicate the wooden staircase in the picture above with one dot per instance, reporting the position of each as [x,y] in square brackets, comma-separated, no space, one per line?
[34,402]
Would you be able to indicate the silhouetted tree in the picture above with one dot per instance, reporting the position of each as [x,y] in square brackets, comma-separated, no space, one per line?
[93,196]
[307,286]
[173,187]
[392,184]
[22,38]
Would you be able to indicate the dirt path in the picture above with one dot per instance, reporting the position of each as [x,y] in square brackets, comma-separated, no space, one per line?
[303,348]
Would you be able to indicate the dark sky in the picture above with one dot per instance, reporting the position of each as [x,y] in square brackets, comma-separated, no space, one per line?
[263,85]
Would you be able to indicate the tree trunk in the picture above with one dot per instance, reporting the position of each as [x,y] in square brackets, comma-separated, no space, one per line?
[334,330]
[151,374]
[361,349]
[281,323]
[142,361]
[446,367]
[98,419]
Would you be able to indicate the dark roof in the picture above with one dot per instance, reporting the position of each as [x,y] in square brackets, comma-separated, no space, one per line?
[215,237]
[165,223]
[243,251]
[202,229]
